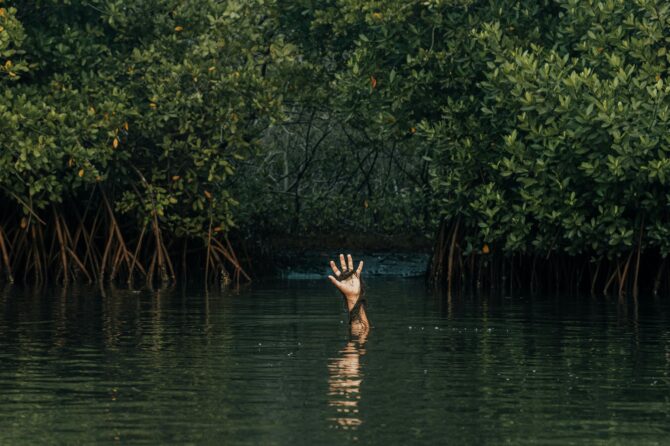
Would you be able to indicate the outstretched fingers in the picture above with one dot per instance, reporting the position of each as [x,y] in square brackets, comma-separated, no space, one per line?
[334,268]
[346,265]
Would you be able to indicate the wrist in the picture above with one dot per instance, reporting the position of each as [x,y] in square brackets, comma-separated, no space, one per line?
[351,299]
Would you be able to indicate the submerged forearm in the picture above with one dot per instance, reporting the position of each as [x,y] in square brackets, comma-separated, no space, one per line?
[362,319]
[357,314]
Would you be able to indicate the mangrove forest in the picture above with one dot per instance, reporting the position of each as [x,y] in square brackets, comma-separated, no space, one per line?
[148,141]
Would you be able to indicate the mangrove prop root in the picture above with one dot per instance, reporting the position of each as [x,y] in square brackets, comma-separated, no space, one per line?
[5,257]
[150,271]
[63,252]
[634,274]
[116,231]
[637,261]
[209,250]
[436,268]
[610,280]
[160,250]
[95,245]
[137,251]
[594,279]
[450,261]
[229,254]
[623,276]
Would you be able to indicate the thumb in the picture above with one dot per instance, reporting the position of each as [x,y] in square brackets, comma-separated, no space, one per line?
[335,282]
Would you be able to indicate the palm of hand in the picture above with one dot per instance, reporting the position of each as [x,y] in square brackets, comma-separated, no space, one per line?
[349,286]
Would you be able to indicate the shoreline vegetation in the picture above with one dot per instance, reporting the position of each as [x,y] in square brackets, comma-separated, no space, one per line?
[554,273]
[527,142]
[95,245]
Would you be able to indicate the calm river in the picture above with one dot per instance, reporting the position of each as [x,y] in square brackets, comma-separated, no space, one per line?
[274,364]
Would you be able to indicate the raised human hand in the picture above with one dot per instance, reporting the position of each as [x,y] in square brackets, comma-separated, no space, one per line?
[348,281]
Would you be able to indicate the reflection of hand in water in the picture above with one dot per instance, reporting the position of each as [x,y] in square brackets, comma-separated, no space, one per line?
[348,281]
[345,379]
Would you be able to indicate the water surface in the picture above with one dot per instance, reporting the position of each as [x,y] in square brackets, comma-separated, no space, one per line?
[275,364]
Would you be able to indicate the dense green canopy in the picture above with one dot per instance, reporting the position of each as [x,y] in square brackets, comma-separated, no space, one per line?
[531,127]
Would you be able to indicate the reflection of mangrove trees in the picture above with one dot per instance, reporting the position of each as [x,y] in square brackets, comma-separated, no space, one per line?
[530,136]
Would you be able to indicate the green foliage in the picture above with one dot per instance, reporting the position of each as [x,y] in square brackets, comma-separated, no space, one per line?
[544,124]
[155,112]
[336,164]
[540,125]
[577,160]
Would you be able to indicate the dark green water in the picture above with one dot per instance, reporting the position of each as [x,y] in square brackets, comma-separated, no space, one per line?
[275,365]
